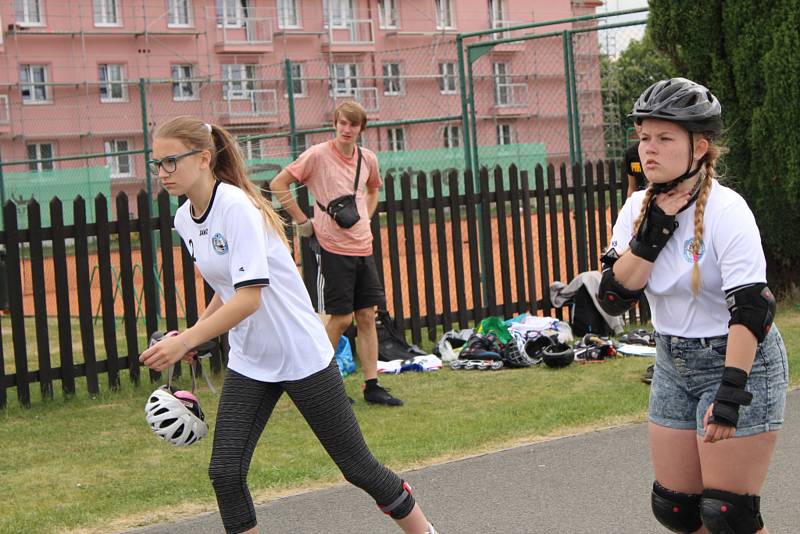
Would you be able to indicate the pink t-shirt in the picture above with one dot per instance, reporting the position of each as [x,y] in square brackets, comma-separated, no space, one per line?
[329,174]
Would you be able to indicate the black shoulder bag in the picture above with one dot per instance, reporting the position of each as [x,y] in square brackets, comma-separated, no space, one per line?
[343,209]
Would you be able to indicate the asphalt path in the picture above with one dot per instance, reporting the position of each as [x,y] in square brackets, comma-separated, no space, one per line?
[597,482]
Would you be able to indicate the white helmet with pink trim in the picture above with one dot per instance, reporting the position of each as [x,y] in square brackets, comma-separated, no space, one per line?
[175,416]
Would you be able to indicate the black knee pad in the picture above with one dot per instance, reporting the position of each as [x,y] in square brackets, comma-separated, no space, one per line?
[730,513]
[401,506]
[679,512]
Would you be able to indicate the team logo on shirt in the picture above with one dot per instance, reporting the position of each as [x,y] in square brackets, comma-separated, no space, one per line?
[219,243]
[687,250]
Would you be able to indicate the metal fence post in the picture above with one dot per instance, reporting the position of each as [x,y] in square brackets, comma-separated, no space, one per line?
[290,102]
[148,180]
[462,83]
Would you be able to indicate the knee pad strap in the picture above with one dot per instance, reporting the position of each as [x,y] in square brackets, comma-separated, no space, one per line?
[401,506]
[731,513]
[679,512]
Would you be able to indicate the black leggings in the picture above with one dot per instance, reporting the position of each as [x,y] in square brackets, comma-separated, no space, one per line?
[244,409]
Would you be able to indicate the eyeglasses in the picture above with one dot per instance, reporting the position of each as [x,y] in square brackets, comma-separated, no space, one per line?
[170,163]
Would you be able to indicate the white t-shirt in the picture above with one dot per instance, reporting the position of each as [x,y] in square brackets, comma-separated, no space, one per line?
[730,256]
[233,247]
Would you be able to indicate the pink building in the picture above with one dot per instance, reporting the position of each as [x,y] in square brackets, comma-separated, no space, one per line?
[69,82]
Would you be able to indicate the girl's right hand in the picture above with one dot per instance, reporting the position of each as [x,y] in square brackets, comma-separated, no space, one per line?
[672,201]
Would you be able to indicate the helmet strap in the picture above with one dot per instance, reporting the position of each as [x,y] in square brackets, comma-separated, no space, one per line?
[669,186]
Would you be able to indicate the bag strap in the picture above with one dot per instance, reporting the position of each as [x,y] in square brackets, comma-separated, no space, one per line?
[358,170]
[355,184]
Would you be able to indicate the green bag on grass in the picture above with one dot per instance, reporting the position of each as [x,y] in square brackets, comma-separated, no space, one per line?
[495,325]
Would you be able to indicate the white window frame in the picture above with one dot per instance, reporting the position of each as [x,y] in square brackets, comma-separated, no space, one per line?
[502,95]
[28,12]
[238,80]
[451,135]
[445,16]
[338,13]
[183,84]
[497,12]
[105,13]
[447,79]
[349,80]
[117,163]
[397,143]
[179,14]
[302,142]
[30,85]
[392,81]
[235,7]
[288,14]
[111,76]
[298,80]
[388,15]
[39,166]
[505,133]
[251,148]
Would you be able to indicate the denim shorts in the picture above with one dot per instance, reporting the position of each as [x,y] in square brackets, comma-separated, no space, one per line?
[688,373]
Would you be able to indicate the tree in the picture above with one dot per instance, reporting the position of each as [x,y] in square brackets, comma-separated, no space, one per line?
[748,53]
[633,71]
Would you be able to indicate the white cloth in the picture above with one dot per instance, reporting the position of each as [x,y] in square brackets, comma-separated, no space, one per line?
[428,362]
[730,256]
[233,247]
[560,294]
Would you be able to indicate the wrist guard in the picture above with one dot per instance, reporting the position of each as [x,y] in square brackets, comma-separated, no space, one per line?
[730,395]
[654,232]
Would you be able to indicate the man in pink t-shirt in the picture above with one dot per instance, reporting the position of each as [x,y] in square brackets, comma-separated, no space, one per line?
[348,282]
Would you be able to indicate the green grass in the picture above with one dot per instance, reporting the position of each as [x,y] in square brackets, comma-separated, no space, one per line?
[92,465]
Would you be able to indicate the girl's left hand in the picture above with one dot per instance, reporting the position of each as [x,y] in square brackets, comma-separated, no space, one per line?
[715,432]
[164,353]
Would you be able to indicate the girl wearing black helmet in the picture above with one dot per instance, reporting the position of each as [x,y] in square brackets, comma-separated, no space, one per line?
[277,342]
[721,374]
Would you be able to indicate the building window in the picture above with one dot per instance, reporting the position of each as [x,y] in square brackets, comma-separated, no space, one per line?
[231,13]
[298,82]
[33,83]
[452,136]
[444,15]
[345,79]
[179,13]
[392,84]
[119,165]
[447,78]
[251,148]
[503,89]
[288,15]
[112,83]
[106,12]
[387,14]
[28,12]
[505,135]
[302,142]
[497,13]
[339,13]
[397,139]
[239,81]
[183,88]
[40,151]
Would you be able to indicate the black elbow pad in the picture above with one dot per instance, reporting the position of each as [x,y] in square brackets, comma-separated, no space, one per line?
[613,297]
[754,307]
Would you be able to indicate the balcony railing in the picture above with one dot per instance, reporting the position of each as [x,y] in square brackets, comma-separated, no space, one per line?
[511,95]
[366,96]
[247,103]
[351,32]
[500,24]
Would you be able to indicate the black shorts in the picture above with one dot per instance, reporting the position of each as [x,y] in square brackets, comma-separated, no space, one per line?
[347,283]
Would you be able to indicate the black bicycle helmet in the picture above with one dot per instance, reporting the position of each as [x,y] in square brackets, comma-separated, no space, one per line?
[683,101]
[558,355]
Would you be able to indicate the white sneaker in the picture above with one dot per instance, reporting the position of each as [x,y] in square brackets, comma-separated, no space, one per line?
[430,530]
